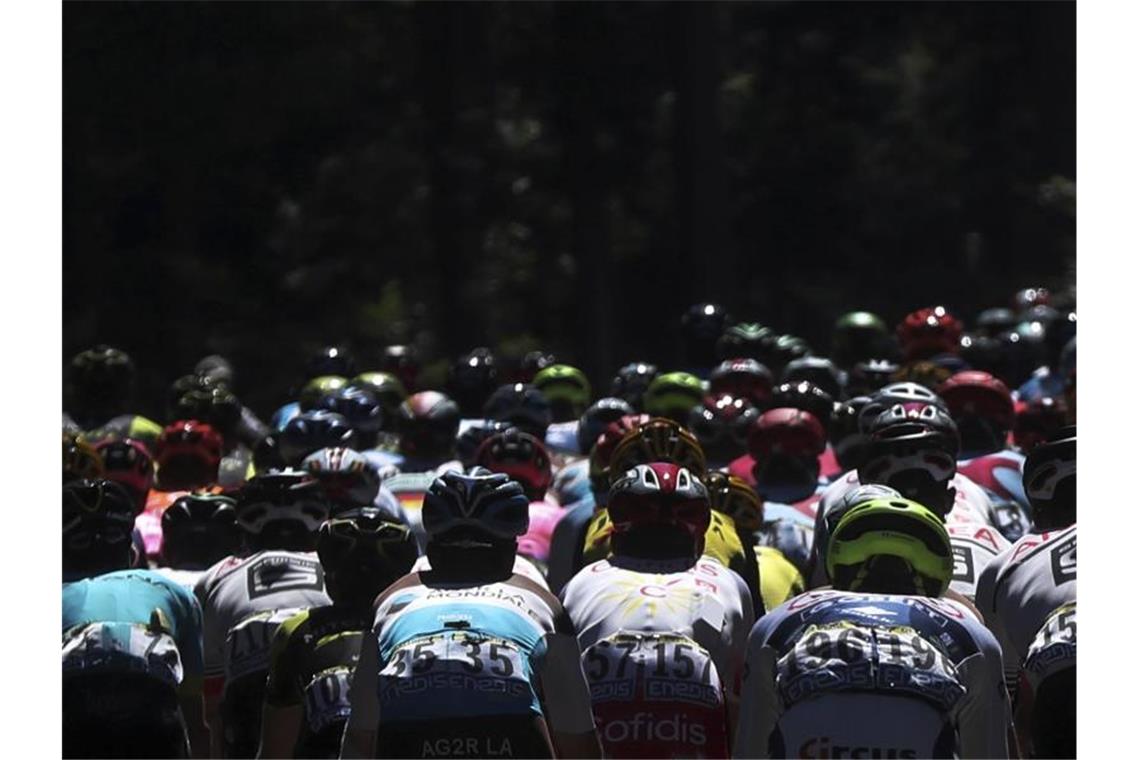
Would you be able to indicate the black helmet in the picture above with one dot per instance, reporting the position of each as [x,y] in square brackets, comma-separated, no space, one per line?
[362,551]
[597,417]
[631,382]
[359,407]
[182,386]
[786,348]
[214,405]
[745,340]
[868,376]
[993,322]
[848,441]
[913,448]
[472,379]
[403,362]
[806,396]
[522,405]
[98,518]
[858,336]
[199,529]
[816,370]
[215,369]
[101,378]
[281,509]
[1050,479]
[312,431]
[330,360]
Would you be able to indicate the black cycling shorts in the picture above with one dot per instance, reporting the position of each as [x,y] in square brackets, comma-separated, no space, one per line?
[488,736]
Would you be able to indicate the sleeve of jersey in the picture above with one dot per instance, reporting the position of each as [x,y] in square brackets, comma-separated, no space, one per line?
[739,624]
[281,688]
[818,575]
[364,716]
[984,713]
[190,635]
[985,599]
[213,640]
[562,682]
[759,702]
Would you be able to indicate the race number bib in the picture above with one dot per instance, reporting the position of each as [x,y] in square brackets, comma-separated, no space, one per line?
[1055,645]
[451,669]
[656,695]
[122,648]
[326,698]
[248,643]
[845,656]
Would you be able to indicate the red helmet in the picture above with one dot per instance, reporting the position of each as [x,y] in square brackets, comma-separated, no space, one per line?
[129,463]
[604,448]
[660,493]
[786,431]
[742,378]
[722,424]
[520,455]
[188,454]
[1037,421]
[929,332]
[978,394]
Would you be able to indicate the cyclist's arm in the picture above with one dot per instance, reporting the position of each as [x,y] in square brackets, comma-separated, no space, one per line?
[566,697]
[983,717]
[737,629]
[360,730]
[190,690]
[280,726]
[759,701]
[282,712]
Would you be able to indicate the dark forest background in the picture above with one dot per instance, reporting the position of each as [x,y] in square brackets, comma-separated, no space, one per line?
[258,179]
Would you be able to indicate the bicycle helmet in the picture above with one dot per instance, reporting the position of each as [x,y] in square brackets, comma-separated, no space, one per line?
[1037,421]
[313,390]
[806,396]
[330,360]
[472,379]
[1019,352]
[214,405]
[360,409]
[673,395]
[1027,297]
[927,332]
[897,393]
[991,322]
[281,509]
[732,496]
[745,340]
[427,423]
[743,378]
[530,365]
[181,387]
[595,419]
[198,530]
[601,454]
[362,553]
[345,476]
[403,362]
[314,430]
[80,459]
[187,455]
[567,390]
[910,441]
[96,513]
[522,457]
[101,378]
[1050,479]
[868,376]
[848,441]
[858,336]
[632,381]
[816,370]
[128,463]
[387,388]
[898,528]
[982,407]
[215,370]
[659,495]
[701,325]
[786,348]
[853,497]
[979,351]
[468,442]
[721,425]
[787,431]
[522,405]
[658,440]
[481,501]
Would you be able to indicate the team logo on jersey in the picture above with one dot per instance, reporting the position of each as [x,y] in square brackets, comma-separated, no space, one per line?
[823,747]
[270,575]
[963,564]
[1064,559]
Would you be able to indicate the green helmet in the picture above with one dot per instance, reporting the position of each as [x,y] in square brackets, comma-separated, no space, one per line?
[312,391]
[858,335]
[567,390]
[387,387]
[673,395]
[745,340]
[893,527]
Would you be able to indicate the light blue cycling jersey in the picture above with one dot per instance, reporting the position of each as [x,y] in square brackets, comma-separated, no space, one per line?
[132,596]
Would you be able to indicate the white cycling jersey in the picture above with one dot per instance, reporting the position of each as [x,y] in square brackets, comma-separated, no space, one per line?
[845,674]
[1023,586]
[662,647]
[974,545]
[523,567]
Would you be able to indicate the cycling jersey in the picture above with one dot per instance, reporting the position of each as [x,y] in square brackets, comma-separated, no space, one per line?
[133,426]
[974,546]
[722,542]
[780,580]
[535,543]
[562,438]
[845,674]
[971,505]
[187,579]
[469,671]
[789,529]
[1023,586]
[522,566]
[568,543]
[571,484]
[312,660]
[999,474]
[131,601]
[662,646]
[243,601]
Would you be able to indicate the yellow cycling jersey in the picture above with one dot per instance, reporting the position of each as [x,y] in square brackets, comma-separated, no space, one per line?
[722,543]
[779,578]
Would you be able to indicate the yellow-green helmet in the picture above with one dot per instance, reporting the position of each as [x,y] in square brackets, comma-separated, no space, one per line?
[312,391]
[673,395]
[566,388]
[893,527]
